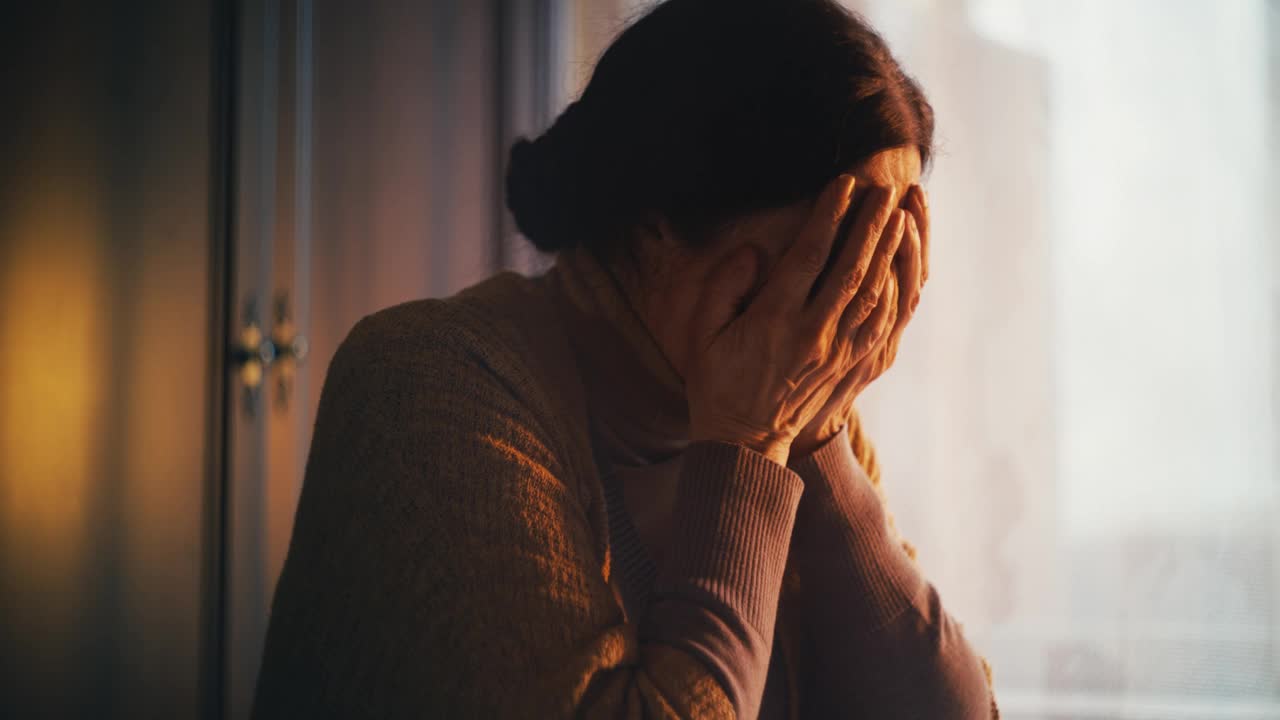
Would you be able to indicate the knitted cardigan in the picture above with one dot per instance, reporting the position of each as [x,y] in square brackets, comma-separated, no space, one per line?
[455,551]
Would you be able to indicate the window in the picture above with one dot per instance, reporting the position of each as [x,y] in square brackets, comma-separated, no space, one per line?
[1081,434]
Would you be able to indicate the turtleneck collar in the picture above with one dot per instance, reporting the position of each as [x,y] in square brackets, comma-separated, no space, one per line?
[636,397]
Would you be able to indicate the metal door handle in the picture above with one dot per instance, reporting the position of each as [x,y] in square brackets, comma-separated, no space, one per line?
[254,353]
[289,350]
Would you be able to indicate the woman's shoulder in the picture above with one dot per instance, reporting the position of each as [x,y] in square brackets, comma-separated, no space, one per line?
[504,329]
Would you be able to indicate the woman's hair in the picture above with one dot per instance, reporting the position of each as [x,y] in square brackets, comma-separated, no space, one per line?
[707,109]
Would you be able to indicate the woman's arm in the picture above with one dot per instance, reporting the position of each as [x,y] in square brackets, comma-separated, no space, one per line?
[882,644]
[443,563]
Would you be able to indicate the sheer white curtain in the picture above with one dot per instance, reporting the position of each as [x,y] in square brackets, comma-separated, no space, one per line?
[1081,433]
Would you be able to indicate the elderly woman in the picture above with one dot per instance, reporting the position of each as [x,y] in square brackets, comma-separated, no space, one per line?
[635,485]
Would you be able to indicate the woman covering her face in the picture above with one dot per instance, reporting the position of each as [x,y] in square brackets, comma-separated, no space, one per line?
[635,486]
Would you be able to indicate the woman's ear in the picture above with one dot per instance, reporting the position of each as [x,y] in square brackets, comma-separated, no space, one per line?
[726,292]
[759,272]
[653,243]
[655,230]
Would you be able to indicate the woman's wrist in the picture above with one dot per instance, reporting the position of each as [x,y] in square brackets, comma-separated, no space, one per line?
[805,446]
[771,445]
[779,452]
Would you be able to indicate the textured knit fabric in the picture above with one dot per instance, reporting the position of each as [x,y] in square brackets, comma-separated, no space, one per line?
[640,418]
[456,552]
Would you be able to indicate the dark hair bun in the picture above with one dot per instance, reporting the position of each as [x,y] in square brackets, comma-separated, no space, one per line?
[554,183]
[534,196]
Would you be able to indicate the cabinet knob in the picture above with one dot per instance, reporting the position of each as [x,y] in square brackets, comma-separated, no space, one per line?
[254,353]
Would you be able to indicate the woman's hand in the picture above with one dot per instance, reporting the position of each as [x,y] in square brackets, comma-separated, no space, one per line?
[889,320]
[759,377]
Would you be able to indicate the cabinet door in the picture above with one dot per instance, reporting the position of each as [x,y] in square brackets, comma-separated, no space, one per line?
[270,219]
[370,145]
[365,178]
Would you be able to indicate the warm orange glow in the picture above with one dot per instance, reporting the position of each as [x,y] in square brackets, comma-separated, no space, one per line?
[52,370]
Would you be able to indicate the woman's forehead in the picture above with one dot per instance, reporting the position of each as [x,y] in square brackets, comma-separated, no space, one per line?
[772,230]
[898,168]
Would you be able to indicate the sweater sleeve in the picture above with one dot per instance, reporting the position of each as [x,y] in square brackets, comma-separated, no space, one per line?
[443,565]
[882,644]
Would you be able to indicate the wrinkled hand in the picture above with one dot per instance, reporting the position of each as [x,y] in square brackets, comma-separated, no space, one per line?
[759,376]
[897,305]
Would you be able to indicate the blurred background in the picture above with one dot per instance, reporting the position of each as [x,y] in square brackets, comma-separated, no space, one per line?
[198,199]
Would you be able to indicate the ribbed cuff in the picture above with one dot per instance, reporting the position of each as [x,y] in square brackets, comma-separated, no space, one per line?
[849,561]
[737,508]
[717,594]
[882,639]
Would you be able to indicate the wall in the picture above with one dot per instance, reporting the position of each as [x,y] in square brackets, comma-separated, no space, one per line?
[104,252]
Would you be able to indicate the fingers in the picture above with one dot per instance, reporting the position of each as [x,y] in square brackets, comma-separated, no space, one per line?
[879,323]
[882,330]
[889,343]
[918,206]
[726,287]
[850,269]
[893,302]
[800,266]
[868,296]
[910,272]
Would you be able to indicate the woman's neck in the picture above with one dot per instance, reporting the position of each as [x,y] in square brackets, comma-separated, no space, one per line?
[635,392]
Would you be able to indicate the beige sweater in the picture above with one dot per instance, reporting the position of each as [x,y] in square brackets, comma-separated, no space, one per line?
[476,538]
